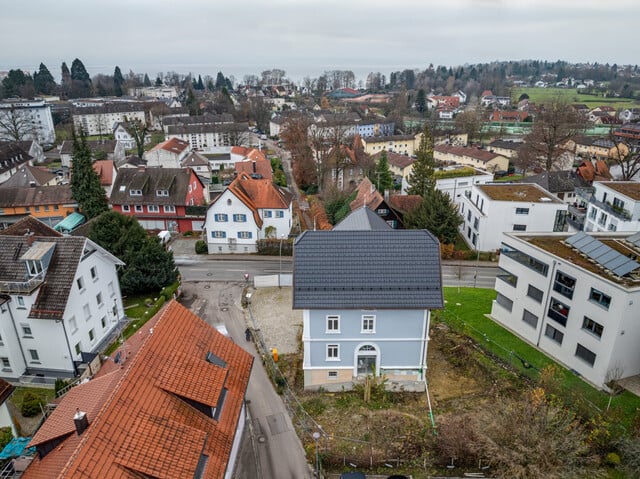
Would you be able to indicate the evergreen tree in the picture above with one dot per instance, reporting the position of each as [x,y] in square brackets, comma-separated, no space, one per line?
[43,81]
[421,101]
[158,81]
[65,79]
[200,85]
[148,266]
[85,182]
[17,84]
[118,81]
[422,180]
[220,81]
[436,213]
[192,103]
[147,81]
[80,80]
[381,177]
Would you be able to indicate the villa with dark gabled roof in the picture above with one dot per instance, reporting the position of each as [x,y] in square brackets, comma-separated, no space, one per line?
[366,292]
[59,298]
[160,198]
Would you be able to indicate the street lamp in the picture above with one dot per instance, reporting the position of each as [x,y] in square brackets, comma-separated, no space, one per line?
[316,438]
[280,274]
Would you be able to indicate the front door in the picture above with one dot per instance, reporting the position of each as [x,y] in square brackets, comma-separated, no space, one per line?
[366,365]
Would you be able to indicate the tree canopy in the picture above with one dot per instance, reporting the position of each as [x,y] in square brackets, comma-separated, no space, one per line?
[421,180]
[149,267]
[43,81]
[436,213]
[381,177]
[118,82]
[85,182]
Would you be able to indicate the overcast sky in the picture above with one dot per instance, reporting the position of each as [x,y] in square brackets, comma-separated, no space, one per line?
[306,37]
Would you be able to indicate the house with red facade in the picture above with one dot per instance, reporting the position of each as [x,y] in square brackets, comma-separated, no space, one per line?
[160,198]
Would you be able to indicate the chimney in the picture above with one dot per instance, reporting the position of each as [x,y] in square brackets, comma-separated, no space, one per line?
[81,421]
[254,166]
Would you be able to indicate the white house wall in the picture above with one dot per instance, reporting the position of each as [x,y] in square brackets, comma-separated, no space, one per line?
[229,204]
[497,217]
[621,330]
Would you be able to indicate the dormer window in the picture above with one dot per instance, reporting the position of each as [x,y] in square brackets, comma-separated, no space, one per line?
[135,192]
[162,192]
[34,267]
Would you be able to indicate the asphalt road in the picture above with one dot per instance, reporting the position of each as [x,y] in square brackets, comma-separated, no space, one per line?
[194,268]
[270,448]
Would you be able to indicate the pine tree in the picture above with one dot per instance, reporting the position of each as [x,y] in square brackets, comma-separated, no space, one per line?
[200,85]
[220,81]
[422,180]
[192,103]
[421,101]
[65,79]
[80,80]
[158,81]
[147,81]
[85,182]
[436,213]
[118,81]
[43,81]
[382,177]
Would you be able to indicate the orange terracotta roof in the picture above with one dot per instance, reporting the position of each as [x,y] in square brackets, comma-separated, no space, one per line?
[261,167]
[173,145]
[150,425]
[104,169]
[367,196]
[258,194]
[404,203]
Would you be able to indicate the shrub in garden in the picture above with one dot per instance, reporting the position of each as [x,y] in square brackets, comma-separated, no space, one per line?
[201,247]
[30,405]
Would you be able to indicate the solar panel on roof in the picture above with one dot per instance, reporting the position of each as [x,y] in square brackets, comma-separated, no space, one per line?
[604,255]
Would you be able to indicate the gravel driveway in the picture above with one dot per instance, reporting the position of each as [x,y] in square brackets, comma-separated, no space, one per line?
[281,326]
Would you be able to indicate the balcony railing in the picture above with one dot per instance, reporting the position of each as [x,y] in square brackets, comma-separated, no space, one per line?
[620,213]
[26,286]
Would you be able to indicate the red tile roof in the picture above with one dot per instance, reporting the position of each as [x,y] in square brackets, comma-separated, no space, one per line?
[104,169]
[404,203]
[367,196]
[261,167]
[148,425]
[258,194]
[174,145]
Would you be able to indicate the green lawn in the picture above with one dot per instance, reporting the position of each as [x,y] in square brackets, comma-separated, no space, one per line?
[570,95]
[465,311]
[47,395]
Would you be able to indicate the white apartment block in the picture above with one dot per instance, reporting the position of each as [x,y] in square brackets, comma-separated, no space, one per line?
[575,298]
[614,206]
[32,118]
[492,209]
[101,119]
[456,181]
[59,297]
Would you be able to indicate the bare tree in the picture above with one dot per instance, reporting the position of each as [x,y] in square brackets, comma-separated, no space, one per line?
[15,125]
[470,122]
[611,378]
[556,124]
[138,131]
[626,155]
[326,141]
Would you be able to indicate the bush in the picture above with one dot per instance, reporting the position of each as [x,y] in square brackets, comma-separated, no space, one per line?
[201,247]
[612,459]
[5,436]
[60,384]
[188,233]
[30,405]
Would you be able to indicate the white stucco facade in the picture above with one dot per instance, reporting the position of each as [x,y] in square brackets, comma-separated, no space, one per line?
[34,118]
[594,331]
[50,346]
[486,218]
[615,206]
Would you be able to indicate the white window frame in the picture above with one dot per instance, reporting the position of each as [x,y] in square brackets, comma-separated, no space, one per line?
[332,375]
[366,321]
[94,273]
[239,218]
[27,332]
[279,214]
[126,208]
[35,358]
[333,352]
[139,209]
[153,208]
[330,319]
[169,208]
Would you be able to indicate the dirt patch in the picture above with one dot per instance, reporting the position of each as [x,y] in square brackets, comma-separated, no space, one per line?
[280,325]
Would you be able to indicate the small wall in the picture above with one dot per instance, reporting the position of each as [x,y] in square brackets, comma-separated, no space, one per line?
[270,281]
